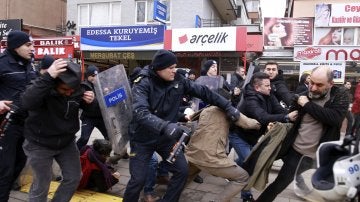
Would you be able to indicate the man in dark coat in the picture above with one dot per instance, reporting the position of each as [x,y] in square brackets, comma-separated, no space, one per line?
[320,118]
[53,102]
[157,95]
[260,104]
[15,74]
[278,85]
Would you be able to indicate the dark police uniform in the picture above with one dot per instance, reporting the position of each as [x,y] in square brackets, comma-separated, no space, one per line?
[15,75]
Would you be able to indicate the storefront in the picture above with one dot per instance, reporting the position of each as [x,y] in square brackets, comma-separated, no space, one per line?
[131,46]
[227,45]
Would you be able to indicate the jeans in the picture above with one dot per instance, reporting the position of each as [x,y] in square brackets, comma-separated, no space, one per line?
[139,161]
[151,175]
[12,158]
[242,149]
[87,126]
[41,160]
[284,178]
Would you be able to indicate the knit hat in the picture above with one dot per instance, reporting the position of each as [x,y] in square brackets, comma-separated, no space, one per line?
[46,62]
[91,70]
[207,66]
[72,75]
[17,38]
[163,59]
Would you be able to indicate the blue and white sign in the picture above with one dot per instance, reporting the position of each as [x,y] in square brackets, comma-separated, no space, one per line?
[115,97]
[146,37]
[160,12]
[198,22]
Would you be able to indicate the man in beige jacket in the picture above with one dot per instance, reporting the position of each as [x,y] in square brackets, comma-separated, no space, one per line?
[206,150]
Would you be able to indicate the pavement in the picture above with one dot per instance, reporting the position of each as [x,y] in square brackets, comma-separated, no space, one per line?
[204,192]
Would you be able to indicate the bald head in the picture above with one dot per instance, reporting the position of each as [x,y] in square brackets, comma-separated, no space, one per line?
[321,81]
[325,71]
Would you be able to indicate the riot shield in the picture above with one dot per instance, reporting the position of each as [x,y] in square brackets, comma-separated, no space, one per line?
[213,83]
[113,93]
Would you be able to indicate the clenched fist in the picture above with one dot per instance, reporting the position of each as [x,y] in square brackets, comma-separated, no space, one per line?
[247,123]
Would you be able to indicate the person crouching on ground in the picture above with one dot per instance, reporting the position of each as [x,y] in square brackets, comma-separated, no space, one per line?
[96,174]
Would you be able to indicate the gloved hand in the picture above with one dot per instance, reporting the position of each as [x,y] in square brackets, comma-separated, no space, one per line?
[232,113]
[247,123]
[173,130]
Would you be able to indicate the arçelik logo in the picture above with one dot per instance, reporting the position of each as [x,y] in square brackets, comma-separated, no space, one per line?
[219,37]
[183,39]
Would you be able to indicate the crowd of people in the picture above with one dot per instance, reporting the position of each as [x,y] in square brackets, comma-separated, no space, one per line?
[166,101]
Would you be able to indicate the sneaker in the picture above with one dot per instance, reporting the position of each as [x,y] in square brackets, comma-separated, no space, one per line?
[198,179]
[163,180]
[150,198]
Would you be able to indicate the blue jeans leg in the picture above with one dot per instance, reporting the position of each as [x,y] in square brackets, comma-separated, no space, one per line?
[151,175]
[241,147]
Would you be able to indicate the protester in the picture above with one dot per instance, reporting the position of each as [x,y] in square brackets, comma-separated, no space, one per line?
[16,72]
[156,101]
[96,174]
[261,105]
[355,109]
[237,78]
[91,116]
[53,102]
[278,85]
[320,118]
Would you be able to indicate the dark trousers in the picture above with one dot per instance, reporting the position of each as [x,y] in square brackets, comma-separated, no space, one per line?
[87,126]
[350,120]
[12,159]
[284,178]
[138,165]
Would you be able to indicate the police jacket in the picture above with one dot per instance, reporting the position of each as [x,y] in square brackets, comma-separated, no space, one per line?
[53,119]
[156,103]
[15,74]
[280,90]
[263,108]
[93,109]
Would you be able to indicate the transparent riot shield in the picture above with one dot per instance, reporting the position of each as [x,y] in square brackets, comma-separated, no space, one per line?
[213,83]
[113,93]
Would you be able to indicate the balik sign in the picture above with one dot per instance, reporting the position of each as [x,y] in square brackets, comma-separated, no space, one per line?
[115,97]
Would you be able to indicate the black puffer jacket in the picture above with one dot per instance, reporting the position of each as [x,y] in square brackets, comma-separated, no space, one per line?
[280,89]
[156,103]
[263,108]
[53,119]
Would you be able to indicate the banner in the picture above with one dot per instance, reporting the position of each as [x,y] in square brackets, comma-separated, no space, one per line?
[337,36]
[345,53]
[206,39]
[338,68]
[287,32]
[337,15]
[122,38]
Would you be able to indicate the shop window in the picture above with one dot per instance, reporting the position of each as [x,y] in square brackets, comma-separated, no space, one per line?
[99,14]
[145,11]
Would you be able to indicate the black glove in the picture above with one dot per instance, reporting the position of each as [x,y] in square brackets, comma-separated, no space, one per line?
[173,130]
[232,113]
